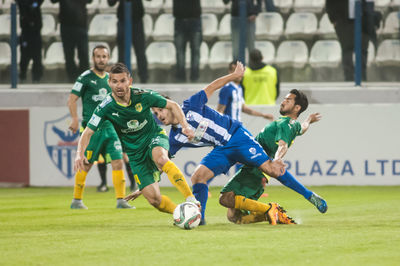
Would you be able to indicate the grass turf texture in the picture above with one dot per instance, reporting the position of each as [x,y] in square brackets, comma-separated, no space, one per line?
[361,227]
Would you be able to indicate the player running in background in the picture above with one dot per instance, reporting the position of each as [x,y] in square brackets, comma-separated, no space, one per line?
[92,87]
[146,144]
[279,135]
[232,142]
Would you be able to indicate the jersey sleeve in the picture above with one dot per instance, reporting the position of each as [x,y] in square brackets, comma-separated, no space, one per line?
[156,100]
[99,114]
[79,87]
[196,101]
[283,133]
[224,96]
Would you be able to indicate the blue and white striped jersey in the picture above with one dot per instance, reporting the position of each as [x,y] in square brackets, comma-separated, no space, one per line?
[218,131]
[231,95]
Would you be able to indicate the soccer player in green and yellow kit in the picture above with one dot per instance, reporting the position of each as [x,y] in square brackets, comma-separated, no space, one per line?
[92,86]
[275,139]
[129,110]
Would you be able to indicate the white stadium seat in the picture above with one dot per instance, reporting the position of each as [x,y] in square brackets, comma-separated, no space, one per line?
[391,27]
[301,25]
[167,6]
[106,9]
[388,53]
[213,6]
[315,6]
[326,54]
[103,27]
[326,29]
[209,26]
[153,6]
[5,29]
[54,57]
[161,55]
[114,57]
[395,3]
[49,29]
[164,28]
[269,25]
[284,5]
[92,7]
[224,28]
[5,55]
[267,50]
[204,53]
[49,8]
[148,25]
[220,55]
[382,5]
[292,54]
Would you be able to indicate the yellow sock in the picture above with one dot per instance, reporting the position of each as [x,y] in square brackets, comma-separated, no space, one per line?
[246,204]
[253,217]
[177,179]
[119,183]
[166,205]
[80,178]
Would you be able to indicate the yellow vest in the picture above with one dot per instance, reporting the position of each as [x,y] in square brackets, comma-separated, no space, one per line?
[260,86]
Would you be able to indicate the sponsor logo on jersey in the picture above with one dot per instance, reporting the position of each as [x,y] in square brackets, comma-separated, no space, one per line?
[77,86]
[252,150]
[101,96]
[133,126]
[94,82]
[94,120]
[138,107]
[115,114]
[106,101]
[61,144]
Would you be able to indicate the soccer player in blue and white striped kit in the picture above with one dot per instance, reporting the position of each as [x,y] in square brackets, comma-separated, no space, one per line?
[232,142]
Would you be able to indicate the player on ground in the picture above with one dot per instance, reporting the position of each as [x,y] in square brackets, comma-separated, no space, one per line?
[92,86]
[232,142]
[146,144]
[240,196]
[279,135]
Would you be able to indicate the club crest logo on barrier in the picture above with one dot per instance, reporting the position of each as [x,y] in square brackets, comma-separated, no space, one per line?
[61,144]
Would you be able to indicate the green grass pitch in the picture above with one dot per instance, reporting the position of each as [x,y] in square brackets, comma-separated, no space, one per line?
[361,227]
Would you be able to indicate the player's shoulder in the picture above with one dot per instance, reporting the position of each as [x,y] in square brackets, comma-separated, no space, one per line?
[106,102]
[85,74]
[139,91]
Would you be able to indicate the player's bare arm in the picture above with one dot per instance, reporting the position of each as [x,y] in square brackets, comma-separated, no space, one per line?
[80,159]
[312,118]
[178,114]
[253,112]
[282,149]
[73,110]
[219,82]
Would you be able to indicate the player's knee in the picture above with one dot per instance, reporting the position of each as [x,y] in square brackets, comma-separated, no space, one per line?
[154,201]
[160,161]
[117,164]
[227,199]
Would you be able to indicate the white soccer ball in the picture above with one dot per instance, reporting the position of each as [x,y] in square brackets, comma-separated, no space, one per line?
[187,215]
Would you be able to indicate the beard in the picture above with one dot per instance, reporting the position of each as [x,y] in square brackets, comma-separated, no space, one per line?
[100,68]
[283,112]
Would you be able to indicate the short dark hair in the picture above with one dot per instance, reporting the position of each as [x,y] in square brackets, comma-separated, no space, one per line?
[231,64]
[301,99]
[100,46]
[119,68]
[255,56]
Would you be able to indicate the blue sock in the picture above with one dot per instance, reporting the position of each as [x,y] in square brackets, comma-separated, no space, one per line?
[200,191]
[291,182]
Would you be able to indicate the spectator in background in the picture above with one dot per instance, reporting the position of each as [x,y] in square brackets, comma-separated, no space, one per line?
[138,37]
[253,7]
[74,34]
[260,81]
[342,19]
[187,28]
[30,40]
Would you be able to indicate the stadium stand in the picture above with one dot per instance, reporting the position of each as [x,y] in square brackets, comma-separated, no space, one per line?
[395,3]
[213,6]
[382,5]
[153,6]
[284,6]
[292,54]
[148,25]
[49,8]
[106,9]
[391,28]
[204,54]
[301,26]
[220,55]
[49,29]
[267,50]
[93,7]
[325,53]
[388,53]
[161,55]
[269,26]
[224,28]
[314,6]
[164,28]
[54,56]
[5,55]
[103,27]
[209,26]
[5,29]
[167,6]
[114,57]
[325,28]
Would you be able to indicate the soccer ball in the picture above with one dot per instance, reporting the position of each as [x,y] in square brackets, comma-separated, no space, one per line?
[187,215]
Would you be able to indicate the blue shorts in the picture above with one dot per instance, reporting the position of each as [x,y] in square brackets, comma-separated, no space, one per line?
[242,148]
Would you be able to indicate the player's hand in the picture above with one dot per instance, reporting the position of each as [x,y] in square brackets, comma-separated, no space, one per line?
[239,70]
[270,117]
[74,125]
[80,162]
[277,167]
[315,117]
[188,132]
[133,195]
